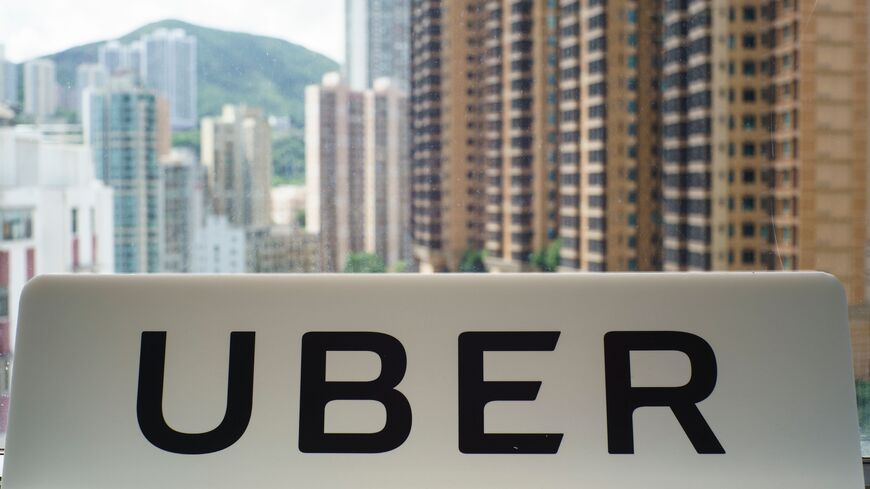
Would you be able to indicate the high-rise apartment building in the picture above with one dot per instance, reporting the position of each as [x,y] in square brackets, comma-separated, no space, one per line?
[515,125]
[818,92]
[10,93]
[377,42]
[8,80]
[122,59]
[356,43]
[716,127]
[3,75]
[169,67]
[691,135]
[609,119]
[112,56]
[40,89]
[164,60]
[236,148]
[164,126]
[184,199]
[55,216]
[447,201]
[764,142]
[335,166]
[121,125]
[89,76]
[357,171]
[485,117]
[550,112]
[387,173]
[817,88]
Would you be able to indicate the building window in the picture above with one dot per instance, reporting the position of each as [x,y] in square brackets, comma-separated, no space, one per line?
[16,224]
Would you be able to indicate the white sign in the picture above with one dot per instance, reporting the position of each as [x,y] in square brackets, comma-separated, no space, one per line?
[605,381]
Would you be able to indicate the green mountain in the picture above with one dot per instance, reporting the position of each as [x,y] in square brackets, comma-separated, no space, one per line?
[233,67]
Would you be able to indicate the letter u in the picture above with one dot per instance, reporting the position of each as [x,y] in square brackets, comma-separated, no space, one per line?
[240,393]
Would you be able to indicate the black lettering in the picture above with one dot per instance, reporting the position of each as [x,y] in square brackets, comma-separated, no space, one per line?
[316,392]
[623,399]
[475,393]
[240,394]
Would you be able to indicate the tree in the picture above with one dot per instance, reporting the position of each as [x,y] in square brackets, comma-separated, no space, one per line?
[472,261]
[288,159]
[186,139]
[364,263]
[547,260]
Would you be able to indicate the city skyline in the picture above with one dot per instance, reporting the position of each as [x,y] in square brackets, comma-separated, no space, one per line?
[504,136]
[31,30]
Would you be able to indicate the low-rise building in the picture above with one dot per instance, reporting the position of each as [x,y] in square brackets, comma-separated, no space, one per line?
[218,247]
[282,249]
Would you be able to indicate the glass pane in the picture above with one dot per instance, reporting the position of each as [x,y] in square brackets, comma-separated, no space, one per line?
[422,136]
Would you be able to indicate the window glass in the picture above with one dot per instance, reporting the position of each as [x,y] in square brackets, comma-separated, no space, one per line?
[347,136]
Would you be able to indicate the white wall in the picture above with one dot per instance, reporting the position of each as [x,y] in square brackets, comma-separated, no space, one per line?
[219,247]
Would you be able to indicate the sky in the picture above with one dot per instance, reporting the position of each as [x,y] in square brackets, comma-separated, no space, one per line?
[32,28]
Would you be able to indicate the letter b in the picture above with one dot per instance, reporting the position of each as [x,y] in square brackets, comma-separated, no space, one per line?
[316,393]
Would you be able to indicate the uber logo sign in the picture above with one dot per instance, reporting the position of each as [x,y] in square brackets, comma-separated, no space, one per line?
[660,381]
[474,392]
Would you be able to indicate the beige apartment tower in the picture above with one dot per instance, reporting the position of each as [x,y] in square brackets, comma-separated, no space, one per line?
[485,131]
[357,171]
[387,173]
[820,119]
[236,149]
[764,118]
[609,179]
[764,148]
[714,129]
[335,166]
[517,74]
[446,175]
